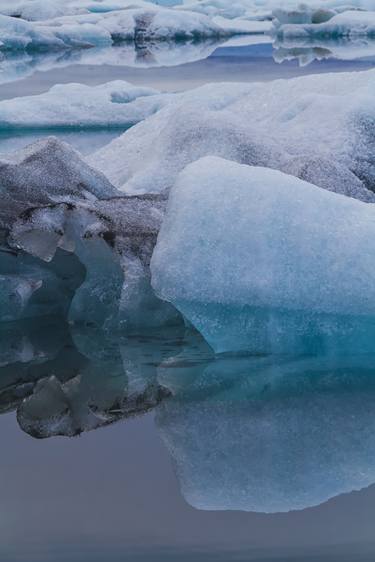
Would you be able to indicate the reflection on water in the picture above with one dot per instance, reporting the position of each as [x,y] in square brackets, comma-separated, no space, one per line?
[171,65]
[262,434]
[308,50]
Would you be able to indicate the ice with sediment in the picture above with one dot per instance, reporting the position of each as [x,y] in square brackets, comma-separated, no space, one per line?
[60,217]
[264,262]
[113,104]
[45,172]
[271,124]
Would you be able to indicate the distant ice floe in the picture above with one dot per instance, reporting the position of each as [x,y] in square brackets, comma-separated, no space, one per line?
[323,24]
[261,124]
[103,29]
[114,104]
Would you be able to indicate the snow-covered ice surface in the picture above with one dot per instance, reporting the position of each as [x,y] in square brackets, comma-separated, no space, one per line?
[346,24]
[239,254]
[102,29]
[273,124]
[114,104]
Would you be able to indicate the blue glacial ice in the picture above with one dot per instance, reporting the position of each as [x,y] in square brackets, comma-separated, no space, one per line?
[263,262]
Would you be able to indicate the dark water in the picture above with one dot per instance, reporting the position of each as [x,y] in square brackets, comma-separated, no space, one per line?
[149,447]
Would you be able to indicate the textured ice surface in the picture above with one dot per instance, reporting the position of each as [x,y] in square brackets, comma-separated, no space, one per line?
[114,104]
[269,436]
[101,29]
[262,9]
[328,24]
[58,215]
[36,10]
[45,172]
[261,261]
[319,128]
[113,240]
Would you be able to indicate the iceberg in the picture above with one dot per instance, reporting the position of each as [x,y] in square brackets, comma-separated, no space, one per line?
[49,171]
[114,104]
[266,435]
[73,246]
[281,132]
[104,29]
[323,24]
[255,260]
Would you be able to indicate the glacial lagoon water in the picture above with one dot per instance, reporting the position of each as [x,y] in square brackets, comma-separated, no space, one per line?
[149,447]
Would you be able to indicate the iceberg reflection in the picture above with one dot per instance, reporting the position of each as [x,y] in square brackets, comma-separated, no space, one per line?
[251,433]
[308,50]
[271,435]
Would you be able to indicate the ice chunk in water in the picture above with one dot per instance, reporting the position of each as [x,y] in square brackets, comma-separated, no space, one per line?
[114,104]
[261,261]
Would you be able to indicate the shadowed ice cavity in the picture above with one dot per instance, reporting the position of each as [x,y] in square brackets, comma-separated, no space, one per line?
[269,435]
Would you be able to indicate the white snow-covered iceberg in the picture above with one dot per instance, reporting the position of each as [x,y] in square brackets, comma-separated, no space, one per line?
[349,23]
[319,128]
[38,10]
[102,29]
[260,261]
[114,104]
